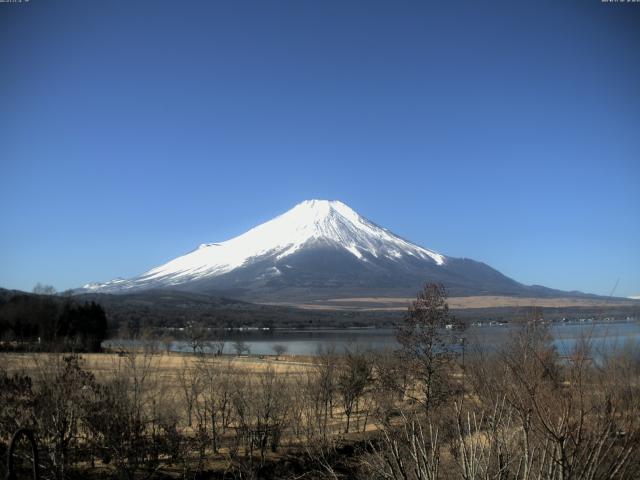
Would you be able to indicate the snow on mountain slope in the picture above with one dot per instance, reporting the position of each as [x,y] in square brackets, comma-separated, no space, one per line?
[312,222]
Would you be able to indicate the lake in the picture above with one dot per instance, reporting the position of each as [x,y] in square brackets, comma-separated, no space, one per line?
[605,336]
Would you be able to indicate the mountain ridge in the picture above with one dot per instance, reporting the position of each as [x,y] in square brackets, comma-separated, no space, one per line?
[320,249]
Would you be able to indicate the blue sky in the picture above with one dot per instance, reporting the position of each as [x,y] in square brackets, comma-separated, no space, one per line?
[507,132]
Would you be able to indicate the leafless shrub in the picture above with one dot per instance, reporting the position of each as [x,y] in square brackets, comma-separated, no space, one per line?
[214,399]
[316,389]
[196,334]
[16,404]
[167,343]
[240,347]
[189,382]
[354,375]
[126,421]
[59,398]
[409,451]
[279,349]
[216,346]
[552,418]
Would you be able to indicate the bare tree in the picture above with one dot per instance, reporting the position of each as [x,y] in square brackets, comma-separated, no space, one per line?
[196,335]
[217,346]
[167,342]
[390,383]
[547,418]
[261,415]
[42,289]
[409,451]
[215,399]
[63,391]
[189,381]
[354,375]
[323,386]
[240,347]
[16,403]
[279,349]
[425,347]
[125,423]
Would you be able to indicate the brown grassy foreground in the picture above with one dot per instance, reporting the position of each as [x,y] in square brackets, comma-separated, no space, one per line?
[223,414]
[522,413]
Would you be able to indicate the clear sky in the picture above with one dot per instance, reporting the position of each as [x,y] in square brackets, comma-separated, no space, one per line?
[504,131]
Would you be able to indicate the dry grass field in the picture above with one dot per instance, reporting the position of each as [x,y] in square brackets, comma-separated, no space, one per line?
[480,301]
[164,367]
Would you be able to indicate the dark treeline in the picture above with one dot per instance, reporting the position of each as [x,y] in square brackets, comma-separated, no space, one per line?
[51,323]
[161,310]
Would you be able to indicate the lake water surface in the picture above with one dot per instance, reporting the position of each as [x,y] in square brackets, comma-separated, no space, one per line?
[604,336]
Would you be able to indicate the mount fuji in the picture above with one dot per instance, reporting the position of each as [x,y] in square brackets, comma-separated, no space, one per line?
[319,249]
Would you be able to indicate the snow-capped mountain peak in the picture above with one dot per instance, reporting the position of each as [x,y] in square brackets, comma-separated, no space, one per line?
[318,251]
[309,224]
